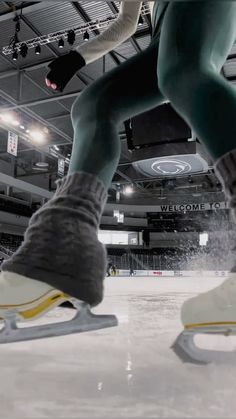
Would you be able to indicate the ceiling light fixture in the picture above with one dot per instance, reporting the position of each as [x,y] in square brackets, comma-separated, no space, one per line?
[15,55]
[71,37]
[61,43]
[6,117]
[128,190]
[38,49]
[80,29]
[37,136]
[140,21]
[86,36]
[23,50]
[15,122]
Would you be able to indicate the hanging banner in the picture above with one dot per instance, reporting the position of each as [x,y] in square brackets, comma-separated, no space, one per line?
[61,167]
[12,143]
[207,206]
[119,216]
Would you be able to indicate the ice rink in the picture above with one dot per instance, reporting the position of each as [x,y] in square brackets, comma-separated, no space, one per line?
[127,371]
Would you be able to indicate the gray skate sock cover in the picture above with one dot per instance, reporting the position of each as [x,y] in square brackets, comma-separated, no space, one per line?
[60,245]
[225,169]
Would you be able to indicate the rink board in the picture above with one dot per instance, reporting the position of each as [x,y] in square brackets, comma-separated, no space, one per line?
[176,273]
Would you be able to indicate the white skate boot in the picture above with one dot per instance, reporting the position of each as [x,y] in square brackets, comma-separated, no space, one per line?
[24,299]
[213,312]
[55,263]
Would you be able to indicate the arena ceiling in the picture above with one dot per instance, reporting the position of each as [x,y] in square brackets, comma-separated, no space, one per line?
[24,94]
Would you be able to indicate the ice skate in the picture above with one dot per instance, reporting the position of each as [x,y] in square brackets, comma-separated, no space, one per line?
[213,312]
[55,263]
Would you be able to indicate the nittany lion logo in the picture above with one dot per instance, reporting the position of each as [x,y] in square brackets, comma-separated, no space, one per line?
[170,167]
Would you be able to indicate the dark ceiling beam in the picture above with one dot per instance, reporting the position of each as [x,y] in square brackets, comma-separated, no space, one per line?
[41,101]
[59,116]
[13,72]
[148,20]
[30,7]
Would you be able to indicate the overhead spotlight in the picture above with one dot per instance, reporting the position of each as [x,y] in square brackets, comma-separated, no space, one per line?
[86,36]
[6,117]
[71,37]
[38,49]
[17,20]
[56,148]
[37,136]
[22,127]
[61,43]
[15,55]
[128,190]
[190,180]
[15,122]
[140,21]
[23,50]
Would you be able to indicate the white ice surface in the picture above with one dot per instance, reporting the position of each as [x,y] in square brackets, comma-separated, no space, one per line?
[128,371]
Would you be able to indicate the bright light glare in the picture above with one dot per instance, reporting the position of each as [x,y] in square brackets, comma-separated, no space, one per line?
[37,136]
[6,117]
[9,118]
[15,123]
[203,239]
[128,190]
[22,127]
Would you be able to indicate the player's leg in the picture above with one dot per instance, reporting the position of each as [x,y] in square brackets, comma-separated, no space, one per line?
[195,41]
[97,113]
[61,247]
[196,38]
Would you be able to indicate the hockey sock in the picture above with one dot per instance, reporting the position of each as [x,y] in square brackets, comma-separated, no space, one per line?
[61,246]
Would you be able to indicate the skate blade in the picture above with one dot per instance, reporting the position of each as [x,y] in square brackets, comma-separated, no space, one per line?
[186,349]
[83,321]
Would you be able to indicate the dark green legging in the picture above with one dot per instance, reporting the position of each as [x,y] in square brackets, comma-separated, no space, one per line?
[182,65]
